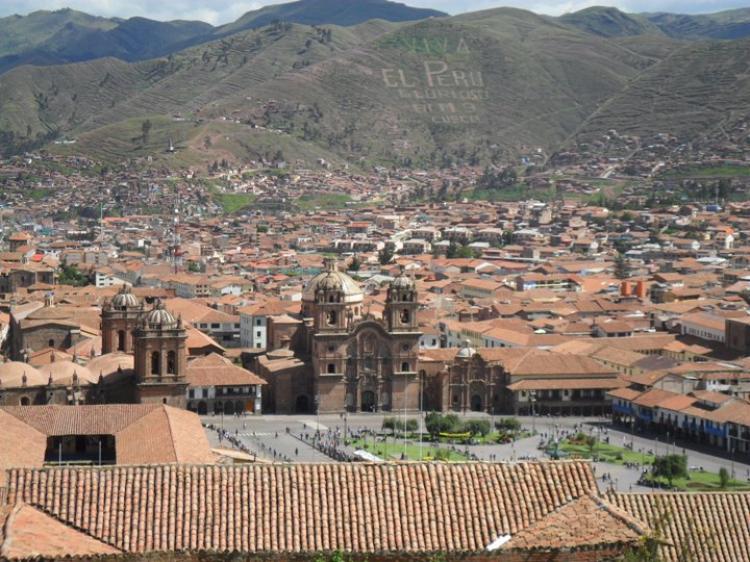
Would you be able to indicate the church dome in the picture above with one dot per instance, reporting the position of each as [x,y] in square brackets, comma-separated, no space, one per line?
[333,281]
[466,352]
[125,299]
[14,374]
[160,318]
[403,282]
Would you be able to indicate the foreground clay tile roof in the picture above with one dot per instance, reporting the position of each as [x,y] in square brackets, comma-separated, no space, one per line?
[28,532]
[585,522]
[424,507]
[144,433]
[711,527]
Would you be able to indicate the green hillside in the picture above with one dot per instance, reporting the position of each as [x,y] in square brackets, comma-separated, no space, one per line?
[609,22]
[690,93]
[483,87]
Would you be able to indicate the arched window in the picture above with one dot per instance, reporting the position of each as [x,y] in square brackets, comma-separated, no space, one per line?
[155,363]
[331,368]
[405,316]
[331,318]
[405,366]
[121,340]
[171,362]
[51,343]
[25,401]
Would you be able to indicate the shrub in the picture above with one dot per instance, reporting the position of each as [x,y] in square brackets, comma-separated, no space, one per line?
[670,467]
[723,478]
[508,424]
[390,424]
[477,427]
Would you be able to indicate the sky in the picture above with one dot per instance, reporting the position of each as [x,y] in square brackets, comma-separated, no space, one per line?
[222,11]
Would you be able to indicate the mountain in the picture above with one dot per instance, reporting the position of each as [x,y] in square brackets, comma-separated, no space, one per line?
[609,22]
[332,12]
[730,24]
[698,89]
[505,79]
[46,38]
[482,87]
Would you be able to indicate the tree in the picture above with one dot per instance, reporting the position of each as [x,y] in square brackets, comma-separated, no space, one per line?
[670,467]
[436,423]
[385,256]
[145,130]
[390,424]
[355,264]
[622,269]
[71,275]
[477,427]
[508,424]
[723,478]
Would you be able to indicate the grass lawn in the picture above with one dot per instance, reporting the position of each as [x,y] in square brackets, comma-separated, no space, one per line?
[233,202]
[605,453]
[323,201]
[703,482]
[392,450]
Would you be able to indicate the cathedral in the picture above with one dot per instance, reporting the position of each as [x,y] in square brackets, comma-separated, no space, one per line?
[342,358]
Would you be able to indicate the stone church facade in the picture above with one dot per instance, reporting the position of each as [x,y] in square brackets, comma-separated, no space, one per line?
[348,360]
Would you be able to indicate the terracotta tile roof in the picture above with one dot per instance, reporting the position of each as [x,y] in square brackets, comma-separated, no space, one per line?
[677,403]
[569,384]
[654,397]
[28,532]
[144,433]
[711,526]
[215,370]
[588,521]
[625,393]
[406,507]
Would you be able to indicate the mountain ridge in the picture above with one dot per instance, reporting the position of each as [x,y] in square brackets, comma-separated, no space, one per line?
[483,87]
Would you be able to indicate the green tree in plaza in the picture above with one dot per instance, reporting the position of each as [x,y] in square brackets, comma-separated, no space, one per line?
[670,467]
[723,478]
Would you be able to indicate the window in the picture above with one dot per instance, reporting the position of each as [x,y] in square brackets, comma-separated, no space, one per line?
[257,321]
[215,326]
[171,362]
[51,343]
[405,316]
[331,318]
[258,334]
[405,366]
[155,363]
[121,340]
[331,368]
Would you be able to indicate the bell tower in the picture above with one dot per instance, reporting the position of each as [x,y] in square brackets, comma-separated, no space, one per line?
[401,305]
[330,302]
[119,320]
[161,358]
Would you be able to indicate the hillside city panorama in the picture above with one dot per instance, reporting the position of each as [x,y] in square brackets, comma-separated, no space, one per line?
[348,281]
